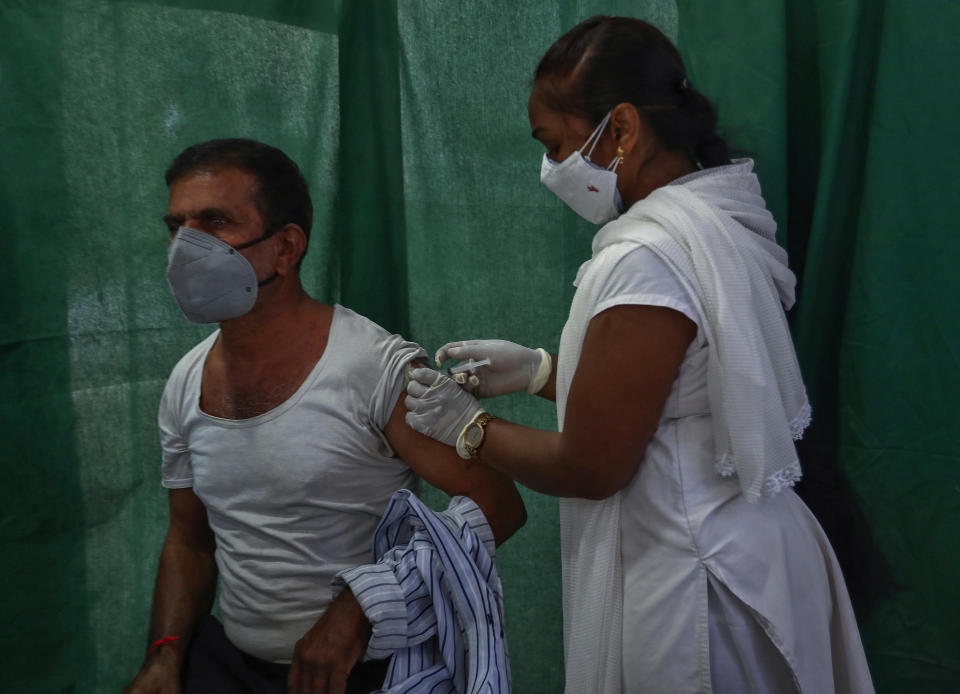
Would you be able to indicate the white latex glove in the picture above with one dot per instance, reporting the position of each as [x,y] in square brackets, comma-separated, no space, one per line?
[438,407]
[512,367]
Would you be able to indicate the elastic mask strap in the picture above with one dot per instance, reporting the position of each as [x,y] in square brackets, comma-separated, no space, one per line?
[270,279]
[595,135]
[267,234]
[612,166]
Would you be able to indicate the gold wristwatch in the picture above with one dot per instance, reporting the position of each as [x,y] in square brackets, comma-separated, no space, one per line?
[471,438]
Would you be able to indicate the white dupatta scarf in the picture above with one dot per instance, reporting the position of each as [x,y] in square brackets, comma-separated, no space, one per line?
[714,230]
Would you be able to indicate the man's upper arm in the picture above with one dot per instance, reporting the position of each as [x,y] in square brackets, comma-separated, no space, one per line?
[188,521]
[439,464]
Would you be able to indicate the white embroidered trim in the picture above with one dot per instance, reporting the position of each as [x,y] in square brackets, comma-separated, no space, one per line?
[784,478]
[801,421]
[724,466]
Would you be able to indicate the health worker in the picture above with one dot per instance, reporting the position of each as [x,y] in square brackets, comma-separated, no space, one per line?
[689,563]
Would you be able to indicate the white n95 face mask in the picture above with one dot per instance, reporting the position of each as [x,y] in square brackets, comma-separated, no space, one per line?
[588,189]
[210,280]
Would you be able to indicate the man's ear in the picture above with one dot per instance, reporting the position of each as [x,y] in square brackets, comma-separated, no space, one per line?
[293,244]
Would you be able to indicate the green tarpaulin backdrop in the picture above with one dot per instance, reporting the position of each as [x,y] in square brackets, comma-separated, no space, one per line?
[409,119]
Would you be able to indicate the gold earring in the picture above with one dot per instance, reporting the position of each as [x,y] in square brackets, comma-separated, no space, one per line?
[620,153]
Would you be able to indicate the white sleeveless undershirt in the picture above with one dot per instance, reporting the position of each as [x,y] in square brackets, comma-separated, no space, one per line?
[293,495]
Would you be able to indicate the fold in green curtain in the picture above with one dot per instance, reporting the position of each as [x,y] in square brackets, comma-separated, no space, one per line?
[409,120]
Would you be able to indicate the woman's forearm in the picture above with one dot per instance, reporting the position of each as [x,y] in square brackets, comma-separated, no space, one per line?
[537,460]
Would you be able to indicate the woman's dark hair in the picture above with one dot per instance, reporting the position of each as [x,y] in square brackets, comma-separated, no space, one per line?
[604,61]
[282,196]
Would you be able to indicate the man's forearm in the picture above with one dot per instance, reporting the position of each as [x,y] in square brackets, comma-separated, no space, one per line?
[186,585]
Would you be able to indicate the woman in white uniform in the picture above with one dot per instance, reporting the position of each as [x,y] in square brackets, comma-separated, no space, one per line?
[689,564]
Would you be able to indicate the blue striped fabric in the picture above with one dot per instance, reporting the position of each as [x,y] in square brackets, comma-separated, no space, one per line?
[434,599]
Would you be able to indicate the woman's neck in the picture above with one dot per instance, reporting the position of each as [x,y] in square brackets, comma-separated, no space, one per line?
[662,168]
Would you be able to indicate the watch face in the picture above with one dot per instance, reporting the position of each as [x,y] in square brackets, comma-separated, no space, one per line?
[473,436]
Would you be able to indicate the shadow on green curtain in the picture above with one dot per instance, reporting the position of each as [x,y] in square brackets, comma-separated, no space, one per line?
[42,529]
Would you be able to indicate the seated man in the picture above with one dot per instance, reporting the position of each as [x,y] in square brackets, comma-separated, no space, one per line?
[283,439]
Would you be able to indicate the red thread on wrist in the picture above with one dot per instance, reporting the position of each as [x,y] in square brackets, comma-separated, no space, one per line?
[160,642]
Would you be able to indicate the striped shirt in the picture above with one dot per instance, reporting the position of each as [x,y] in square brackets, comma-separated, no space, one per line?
[434,599]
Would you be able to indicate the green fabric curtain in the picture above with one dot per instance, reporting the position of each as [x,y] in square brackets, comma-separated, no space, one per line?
[409,120]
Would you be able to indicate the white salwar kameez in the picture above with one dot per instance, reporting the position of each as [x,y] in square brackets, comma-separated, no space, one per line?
[706,539]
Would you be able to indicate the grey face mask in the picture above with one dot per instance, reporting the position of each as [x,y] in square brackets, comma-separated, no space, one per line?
[210,280]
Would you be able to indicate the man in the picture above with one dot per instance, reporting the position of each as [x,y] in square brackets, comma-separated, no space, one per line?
[283,439]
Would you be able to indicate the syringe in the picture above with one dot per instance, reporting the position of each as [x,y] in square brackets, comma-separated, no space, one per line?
[459,372]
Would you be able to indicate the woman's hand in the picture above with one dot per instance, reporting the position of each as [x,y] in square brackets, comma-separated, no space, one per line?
[438,407]
[513,368]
